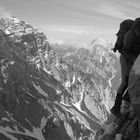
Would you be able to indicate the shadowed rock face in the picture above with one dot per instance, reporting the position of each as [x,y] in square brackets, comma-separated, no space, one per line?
[134,82]
[30,96]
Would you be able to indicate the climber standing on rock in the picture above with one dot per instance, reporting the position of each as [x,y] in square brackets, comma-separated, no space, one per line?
[132,44]
[124,124]
[125,27]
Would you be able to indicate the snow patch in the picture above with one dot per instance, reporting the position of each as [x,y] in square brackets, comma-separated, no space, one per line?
[29,94]
[37,132]
[27,102]
[107,99]
[66,55]
[74,79]
[67,84]
[47,71]
[5,74]
[5,119]
[41,91]
[66,105]
[109,81]
[11,62]
[2,131]
[78,104]
[74,116]
[15,20]
[58,91]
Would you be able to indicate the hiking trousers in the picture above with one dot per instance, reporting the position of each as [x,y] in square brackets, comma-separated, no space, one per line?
[125,69]
[136,108]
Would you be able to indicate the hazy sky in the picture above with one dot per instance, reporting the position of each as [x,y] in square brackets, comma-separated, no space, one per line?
[73,20]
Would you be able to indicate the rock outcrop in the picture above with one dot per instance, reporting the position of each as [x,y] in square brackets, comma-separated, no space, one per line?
[127,126]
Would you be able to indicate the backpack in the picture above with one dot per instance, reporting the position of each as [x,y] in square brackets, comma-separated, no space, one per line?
[135,49]
[125,26]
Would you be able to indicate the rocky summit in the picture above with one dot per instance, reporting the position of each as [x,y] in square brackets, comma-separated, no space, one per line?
[53,92]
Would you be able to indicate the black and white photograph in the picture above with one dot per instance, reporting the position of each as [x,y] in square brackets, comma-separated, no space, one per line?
[69,70]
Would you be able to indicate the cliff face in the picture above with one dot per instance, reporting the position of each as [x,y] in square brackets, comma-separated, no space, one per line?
[31,99]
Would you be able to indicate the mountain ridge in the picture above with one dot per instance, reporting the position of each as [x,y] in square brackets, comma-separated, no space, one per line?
[25,73]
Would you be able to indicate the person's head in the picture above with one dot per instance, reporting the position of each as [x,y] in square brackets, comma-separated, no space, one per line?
[125,26]
[136,25]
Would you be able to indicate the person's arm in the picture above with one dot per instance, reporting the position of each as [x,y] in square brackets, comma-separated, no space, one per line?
[118,43]
[127,44]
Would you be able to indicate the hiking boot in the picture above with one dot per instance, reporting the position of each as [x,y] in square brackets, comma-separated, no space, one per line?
[125,108]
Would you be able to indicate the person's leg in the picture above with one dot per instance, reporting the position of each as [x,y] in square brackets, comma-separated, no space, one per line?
[124,83]
[124,75]
[136,108]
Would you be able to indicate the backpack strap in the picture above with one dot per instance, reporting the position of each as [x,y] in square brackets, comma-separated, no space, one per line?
[135,47]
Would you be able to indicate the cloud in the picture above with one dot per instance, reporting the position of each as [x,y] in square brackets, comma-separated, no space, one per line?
[78,32]
[65,29]
[75,29]
[110,10]
[5,13]
[134,5]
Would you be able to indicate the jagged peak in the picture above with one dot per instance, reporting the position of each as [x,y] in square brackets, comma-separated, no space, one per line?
[15,25]
[102,43]
[98,41]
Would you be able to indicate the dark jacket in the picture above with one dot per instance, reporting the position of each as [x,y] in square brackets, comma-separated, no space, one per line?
[129,47]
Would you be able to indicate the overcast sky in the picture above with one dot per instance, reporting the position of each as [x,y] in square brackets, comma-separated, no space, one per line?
[73,20]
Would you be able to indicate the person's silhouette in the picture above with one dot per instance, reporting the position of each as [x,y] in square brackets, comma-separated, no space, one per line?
[125,26]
